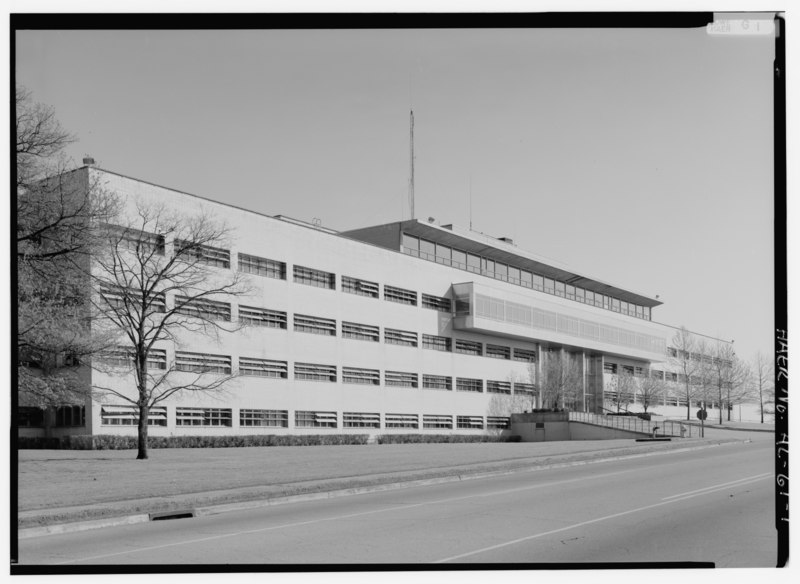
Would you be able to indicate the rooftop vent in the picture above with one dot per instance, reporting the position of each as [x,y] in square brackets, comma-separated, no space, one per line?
[507,240]
[88,161]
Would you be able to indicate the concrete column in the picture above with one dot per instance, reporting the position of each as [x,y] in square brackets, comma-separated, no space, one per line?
[583,380]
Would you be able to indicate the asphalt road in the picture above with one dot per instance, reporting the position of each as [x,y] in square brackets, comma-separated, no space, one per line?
[710,505]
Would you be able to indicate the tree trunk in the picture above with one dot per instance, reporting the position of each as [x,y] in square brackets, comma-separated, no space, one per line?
[144,413]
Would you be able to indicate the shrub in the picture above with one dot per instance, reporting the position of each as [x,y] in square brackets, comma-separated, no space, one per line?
[443,438]
[38,443]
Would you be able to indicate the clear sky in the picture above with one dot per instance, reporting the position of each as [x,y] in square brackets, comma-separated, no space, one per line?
[640,157]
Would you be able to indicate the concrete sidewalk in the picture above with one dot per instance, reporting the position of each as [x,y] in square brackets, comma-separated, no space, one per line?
[49,520]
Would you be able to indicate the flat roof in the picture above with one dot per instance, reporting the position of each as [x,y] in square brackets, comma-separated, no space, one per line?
[508,253]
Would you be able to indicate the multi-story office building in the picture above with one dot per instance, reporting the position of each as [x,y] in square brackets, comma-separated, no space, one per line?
[406,327]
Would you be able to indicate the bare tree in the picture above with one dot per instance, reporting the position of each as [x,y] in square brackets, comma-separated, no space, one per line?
[561,380]
[730,376]
[763,380]
[624,390]
[56,208]
[651,390]
[682,355]
[158,277]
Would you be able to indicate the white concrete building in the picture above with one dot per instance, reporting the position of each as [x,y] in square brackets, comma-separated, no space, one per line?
[408,327]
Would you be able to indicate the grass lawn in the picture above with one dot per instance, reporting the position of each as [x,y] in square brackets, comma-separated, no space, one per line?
[60,478]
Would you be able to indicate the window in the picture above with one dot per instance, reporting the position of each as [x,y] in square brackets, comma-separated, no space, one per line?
[469,422]
[250,315]
[312,277]
[624,308]
[398,337]
[443,254]
[315,325]
[129,416]
[538,282]
[360,420]
[627,369]
[525,355]
[580,294]
[194,252]
[570,292]
[123,357]
[436,303]
[142,242]
[306,419]
[400,295]
[459,259]
[361,376]
[656,374]
[497,423]
[427,250]
[204,309]
[526,279]
[609,367]
[501,271]
[401,379]
[202,362]
[401,421]
[638,371]
[361,332]
[549,286]
[437,422]
[524,388]
[70,416]
[469,347]
[468,384]
[436,343]
[498,351]
[671,377]
[615,305]
[214,417]
[157,359]
[410,244]
[359,287]
[253,367]
[120,299]
[30,417]
[561,289]
[498,387]
[270,418]
[513,275]
[436,382]
[250,264]
[473,263]
[314,372]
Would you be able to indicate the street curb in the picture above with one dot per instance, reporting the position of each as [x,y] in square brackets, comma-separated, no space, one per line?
[77,526]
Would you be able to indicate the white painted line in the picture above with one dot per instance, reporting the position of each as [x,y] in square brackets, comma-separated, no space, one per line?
[715,487]
[583,523]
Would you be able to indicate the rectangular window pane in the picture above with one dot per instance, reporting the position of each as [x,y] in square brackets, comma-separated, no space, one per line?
[498,387]
[459,259]
[538,282]
[264,418]
[252,316]
[410,244]
[203,309]
[127,415]
[473,263]
[263,368]
[468,384]
[202,362]
[213,417]
[497,423]
[315,372]
[443,254]
[526,355]
[436,303]
[399,337]
[437,422]
[435,342]
[514,275]
[561,289]
[400,295]
[427,250]
[436,382]
[401,379]
[469,422]
[312,277]
[194,252]
[469,347]
[309,419]
[360,332]
[361,376]
[360,420]
[304,323]
[498,351]
[401,421]
[359,287]
[250,264]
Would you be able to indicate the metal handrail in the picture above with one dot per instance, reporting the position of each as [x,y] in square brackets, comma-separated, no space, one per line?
[662,428]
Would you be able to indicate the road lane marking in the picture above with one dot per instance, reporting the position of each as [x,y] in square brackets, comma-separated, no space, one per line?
[597,520]
[714,487]
[348,516]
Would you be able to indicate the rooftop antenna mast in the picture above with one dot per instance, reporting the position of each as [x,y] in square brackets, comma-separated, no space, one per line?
[411,180]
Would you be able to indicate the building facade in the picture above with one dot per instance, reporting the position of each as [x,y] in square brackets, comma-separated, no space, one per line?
[407,327]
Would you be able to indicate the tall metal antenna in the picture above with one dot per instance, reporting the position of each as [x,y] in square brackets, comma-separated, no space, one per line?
[411,180]
[470,202]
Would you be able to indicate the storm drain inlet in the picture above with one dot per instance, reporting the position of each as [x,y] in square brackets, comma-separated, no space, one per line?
[182,514]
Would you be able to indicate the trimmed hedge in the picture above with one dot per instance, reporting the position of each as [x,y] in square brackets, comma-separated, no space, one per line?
[113,442]
[442,438]
[38,443]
